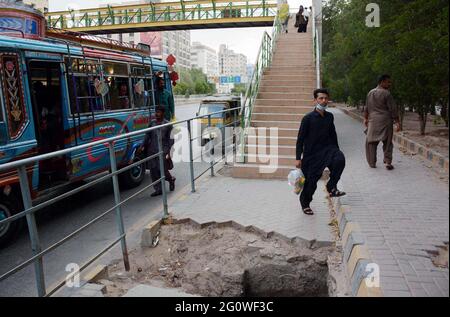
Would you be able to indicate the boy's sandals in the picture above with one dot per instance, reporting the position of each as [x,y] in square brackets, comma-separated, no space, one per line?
[337,193]
[308,211]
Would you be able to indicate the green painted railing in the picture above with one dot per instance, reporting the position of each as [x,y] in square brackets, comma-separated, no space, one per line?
[263,60]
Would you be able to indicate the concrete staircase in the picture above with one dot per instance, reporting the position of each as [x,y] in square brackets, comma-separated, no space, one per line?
[285,96]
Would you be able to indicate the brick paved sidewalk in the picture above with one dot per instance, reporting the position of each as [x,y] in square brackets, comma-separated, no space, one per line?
[269,205]
[402,214]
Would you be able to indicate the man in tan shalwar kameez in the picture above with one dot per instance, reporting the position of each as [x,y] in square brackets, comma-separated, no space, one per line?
[380,115]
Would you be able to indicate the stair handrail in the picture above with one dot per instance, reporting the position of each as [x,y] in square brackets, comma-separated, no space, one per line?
[263,60]
[316,48]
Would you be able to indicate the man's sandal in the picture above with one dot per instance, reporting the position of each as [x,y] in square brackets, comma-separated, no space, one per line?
[308,211]
[389,167]
[337,193]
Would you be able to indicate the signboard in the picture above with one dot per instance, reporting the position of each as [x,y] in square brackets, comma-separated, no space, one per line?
[230,80]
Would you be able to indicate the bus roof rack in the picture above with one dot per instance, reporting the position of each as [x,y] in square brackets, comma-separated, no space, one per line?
[92,40]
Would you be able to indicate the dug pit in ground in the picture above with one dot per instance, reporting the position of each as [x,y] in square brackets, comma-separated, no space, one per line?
[225,260]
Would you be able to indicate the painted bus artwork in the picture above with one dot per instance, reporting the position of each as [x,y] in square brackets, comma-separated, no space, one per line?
[60,89]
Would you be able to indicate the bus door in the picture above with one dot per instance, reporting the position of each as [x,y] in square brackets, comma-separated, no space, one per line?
[47,101]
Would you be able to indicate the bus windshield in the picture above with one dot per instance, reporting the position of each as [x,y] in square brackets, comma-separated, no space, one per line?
[211,108]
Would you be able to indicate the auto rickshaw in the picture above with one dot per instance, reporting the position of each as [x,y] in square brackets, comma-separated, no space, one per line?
[219,120]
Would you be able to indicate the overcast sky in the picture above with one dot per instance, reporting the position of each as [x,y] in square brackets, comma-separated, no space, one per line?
[242,40]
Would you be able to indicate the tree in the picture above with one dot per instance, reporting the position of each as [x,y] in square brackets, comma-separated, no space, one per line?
[238,89]
[411,45]
[193,81]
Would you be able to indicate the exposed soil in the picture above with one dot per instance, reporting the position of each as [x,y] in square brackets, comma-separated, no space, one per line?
[226,260]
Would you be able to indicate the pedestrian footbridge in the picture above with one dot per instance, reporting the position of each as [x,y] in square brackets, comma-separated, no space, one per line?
[164,16]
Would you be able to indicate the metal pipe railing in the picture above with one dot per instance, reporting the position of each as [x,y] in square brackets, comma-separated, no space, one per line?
[30,210]
[316,48]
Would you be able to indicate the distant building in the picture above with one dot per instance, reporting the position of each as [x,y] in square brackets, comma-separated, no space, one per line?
[164,43]
[41,5]
[177,43]
[232,64]
[204,58]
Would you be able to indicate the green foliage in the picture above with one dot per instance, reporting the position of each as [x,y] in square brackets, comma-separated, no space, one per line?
[238,89]
[411,45]
[193,82]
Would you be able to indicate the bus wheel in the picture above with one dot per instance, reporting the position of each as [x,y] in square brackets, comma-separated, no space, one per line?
[133,177]
[9,207]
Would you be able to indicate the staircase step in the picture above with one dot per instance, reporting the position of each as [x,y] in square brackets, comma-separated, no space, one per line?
[304,51]
[255,171]
[293,69]
[287,160]
[285,70]
[286,63]
[310,68]
[269,138]
[306,71]
[299,43]
[276,116]
[270,149]
[299,88]
[285,38]
[285,102]
[288,79]
[294,59]
[276,124]
[285,95]
[281,109]
[282,132]
[292,52]
[293,39]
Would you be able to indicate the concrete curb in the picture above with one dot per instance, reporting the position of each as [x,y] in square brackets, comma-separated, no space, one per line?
[97,273]
[356,256]
[412,147]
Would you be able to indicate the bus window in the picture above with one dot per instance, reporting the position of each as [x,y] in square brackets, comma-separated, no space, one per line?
[141,87]
[86,94]
[117,78]
[115,69]
[83,95]
[119,95]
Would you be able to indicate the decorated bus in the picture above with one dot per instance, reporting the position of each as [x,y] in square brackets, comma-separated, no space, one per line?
[61,89]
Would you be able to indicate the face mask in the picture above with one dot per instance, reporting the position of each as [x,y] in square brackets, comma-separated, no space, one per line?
[321,108]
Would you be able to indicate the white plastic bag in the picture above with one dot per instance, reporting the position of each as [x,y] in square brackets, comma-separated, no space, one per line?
[296,179]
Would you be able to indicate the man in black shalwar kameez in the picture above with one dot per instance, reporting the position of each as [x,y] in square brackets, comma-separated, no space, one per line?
[152,147]
[317,149]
